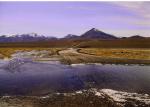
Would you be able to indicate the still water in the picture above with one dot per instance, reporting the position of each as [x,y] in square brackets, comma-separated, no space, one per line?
[40,78]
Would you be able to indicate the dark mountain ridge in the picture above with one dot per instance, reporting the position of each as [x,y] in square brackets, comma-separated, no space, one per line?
[89,35]
[137,37]
[97,34]
[25,38]
[71,36]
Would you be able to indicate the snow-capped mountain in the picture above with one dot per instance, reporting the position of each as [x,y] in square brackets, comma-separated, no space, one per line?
[24,38]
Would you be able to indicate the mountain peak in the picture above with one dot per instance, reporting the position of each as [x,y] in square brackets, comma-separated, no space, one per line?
[97,34]
[136,37]
[94,29]
[71,36]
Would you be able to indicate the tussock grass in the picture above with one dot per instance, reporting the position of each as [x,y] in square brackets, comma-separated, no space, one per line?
[89,55]
[140,54]
[7,52]
[108,56]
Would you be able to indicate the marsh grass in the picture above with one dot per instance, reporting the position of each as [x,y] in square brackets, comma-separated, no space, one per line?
[7,52]
[87,55]
[140,54]
[107,56]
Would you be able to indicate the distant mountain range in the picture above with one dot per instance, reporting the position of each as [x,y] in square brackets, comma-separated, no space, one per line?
[91,34]
[25,38]
[71,36]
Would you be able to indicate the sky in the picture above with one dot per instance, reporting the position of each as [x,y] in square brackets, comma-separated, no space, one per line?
[62,18]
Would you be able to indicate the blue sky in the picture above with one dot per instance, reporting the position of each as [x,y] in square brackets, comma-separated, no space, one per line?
[62,18]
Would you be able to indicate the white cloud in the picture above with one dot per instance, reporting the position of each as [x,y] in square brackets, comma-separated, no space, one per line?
[141,8]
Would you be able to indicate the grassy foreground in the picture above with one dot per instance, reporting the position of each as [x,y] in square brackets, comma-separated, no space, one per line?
[87,55]
[140,54]
[107,56]
[7,52]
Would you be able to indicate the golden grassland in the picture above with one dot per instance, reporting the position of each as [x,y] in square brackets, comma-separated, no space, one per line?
[140,54]
[72,58]
[7,52]
[88,55]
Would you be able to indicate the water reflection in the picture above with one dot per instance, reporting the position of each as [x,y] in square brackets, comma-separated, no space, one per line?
[14,64]
[34,78]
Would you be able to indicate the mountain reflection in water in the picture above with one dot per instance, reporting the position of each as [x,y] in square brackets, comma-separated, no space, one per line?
[35,78]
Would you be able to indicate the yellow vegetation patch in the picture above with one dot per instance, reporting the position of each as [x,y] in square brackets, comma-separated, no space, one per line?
[7,52]
[143,54]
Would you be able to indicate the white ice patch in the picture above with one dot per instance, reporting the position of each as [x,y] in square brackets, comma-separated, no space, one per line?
[6,97]
[30,54]
[79,64]
[98,94]
[120,96]
[79,92]
[45,97]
